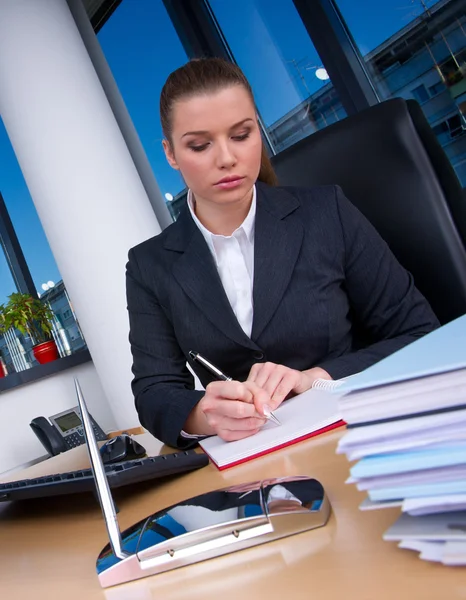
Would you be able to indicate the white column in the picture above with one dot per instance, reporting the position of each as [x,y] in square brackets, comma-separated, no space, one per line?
[121,113]
[80,174]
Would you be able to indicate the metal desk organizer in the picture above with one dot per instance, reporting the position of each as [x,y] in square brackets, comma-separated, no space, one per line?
[205,526]
[216,523]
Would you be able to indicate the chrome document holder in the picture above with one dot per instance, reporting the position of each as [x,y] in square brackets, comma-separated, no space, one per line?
[214,524]
[202,527]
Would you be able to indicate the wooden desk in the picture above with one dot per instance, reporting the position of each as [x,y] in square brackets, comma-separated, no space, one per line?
[48,548]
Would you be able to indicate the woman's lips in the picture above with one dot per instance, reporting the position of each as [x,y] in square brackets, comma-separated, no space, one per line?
[229,183]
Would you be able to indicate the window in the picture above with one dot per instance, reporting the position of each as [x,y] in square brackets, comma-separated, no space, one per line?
[440,129]
[437,88]
[453,69]
[23,215]
[416,42]
[293,93]
[16,349]
[455,126]
[420,94]
[142,49]
[7,284]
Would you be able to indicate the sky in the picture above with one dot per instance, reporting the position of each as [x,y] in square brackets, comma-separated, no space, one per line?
[270,44]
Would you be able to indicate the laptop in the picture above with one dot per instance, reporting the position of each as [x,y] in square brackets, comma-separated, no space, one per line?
[115,475]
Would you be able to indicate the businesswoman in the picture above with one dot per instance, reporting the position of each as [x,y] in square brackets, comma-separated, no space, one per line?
[275,286]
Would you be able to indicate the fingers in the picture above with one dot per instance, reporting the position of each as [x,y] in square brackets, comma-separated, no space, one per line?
[233,409]
[220,422]
[261,372]
[286,385]
[261,398]
[233,390]
[231,436]
[277,380]
[230,410]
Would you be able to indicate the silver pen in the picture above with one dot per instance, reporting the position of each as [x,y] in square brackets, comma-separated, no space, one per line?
[222,377]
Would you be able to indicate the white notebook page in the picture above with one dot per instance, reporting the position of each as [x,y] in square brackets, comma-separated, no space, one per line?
[299,416]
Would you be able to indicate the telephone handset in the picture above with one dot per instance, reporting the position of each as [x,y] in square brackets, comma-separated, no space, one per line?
[63,431]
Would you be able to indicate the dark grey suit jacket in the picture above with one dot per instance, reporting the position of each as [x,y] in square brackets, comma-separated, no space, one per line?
[327,292]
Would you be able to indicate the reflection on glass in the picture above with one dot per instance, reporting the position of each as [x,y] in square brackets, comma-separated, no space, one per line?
[7,284]
[269,42]
[7,287]
[142,48]
[25,220]
[241,506]
[418,50]
[16,349]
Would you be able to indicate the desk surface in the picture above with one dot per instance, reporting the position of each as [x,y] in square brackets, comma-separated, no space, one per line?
[48,547]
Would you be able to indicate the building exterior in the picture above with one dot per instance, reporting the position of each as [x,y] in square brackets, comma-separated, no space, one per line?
[16,350]
[426,60]
[66,321]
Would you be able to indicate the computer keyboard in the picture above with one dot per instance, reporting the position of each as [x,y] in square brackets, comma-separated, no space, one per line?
[118,475]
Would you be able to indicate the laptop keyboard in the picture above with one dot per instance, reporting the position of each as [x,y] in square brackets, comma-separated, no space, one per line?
[118,474]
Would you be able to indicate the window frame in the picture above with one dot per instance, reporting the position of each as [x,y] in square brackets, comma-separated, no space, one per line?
[24,283]
[201,36]
[14,253]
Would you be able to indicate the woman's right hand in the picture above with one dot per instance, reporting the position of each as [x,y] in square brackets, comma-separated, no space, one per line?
[231,410]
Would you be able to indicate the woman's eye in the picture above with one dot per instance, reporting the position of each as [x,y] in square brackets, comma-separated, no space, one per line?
[199,148]
[240,138]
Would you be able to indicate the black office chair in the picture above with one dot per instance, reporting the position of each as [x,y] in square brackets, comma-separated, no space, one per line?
[390,165]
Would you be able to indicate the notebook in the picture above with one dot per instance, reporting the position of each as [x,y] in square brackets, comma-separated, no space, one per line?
[402,462]
[440,474]
[430,551]
[301,417]
[440,351]
[404,434]
[433,393]
[434,504]
[442,527]
[329,385]
[418,491]
[404,428]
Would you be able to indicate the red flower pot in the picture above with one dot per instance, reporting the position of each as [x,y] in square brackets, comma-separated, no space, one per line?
[45,352]
[2,370]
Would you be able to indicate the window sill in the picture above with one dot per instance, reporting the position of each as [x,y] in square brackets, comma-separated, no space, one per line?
[14,380]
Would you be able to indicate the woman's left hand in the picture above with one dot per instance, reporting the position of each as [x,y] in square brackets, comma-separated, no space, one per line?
[280,381]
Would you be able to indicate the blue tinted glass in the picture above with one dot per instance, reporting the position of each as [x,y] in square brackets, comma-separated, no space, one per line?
[142,49]
[292,89]
[7,285]
[25,220]
[417,50]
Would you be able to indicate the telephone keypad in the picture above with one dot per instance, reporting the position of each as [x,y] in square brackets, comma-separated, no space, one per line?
[73,440]
[77,437]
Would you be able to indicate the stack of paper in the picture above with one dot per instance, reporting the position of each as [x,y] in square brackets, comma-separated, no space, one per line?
[406,421]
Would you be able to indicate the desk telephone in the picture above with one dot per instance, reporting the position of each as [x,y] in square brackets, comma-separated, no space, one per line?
[63,431]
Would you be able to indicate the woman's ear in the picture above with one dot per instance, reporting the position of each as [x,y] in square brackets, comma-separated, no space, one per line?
[169,155]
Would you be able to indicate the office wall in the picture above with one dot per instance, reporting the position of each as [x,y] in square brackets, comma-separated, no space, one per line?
[18,444]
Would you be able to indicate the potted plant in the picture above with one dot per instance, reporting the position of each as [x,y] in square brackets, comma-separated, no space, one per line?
[33,318]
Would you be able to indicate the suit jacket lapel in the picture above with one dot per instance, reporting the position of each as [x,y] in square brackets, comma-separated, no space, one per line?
[277,242]
[197,274]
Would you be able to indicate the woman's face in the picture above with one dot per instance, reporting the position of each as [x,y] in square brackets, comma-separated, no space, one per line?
[216,146]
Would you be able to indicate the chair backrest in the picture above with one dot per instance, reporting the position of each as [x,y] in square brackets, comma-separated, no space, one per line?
[455,195]
[379,159]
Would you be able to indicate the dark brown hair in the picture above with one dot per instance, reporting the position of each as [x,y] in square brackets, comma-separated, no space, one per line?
[203,76]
